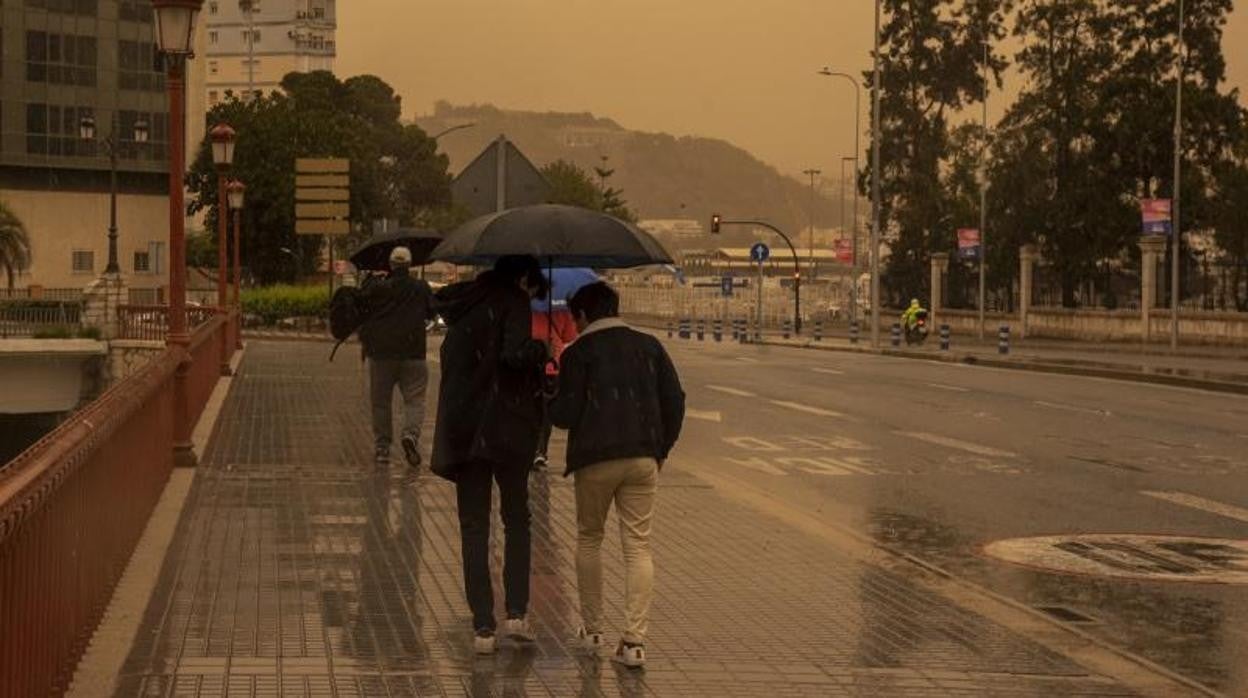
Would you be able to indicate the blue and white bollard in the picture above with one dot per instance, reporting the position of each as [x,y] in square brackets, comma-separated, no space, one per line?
[944,338]
[896,335]
[788,328]
[701,330]
[736,329]
[818,330]
[853,332]
[685,328]
[1003,340]
[717,330]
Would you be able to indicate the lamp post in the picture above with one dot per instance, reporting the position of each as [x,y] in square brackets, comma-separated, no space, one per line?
[175,29]
[86,131]
[853,237]
[828,72]
[453,129]
[1176,232]
[812,173]
[718,221]
[875,184]
[223,139]
[236,192]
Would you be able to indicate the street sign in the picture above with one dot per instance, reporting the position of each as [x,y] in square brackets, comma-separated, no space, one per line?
[322,210]
[760,253]
[725,286]
[322,195]
[1156,216]
[844,251]
[317,226]
[322,165]
[968,243]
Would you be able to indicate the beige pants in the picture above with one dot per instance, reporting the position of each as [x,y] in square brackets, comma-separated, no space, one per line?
[631,483]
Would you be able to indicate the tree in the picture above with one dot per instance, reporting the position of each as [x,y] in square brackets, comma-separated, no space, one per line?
[571,185]
[14,244]
[396,171]
[1231,224]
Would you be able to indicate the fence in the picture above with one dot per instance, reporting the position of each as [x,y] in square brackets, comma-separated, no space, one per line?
[698,303]
[33,318]
[68,295]
[72,508]
[152,321]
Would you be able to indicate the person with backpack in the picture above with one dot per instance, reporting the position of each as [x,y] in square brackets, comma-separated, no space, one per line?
[622,402]
[489,416]
[395,310]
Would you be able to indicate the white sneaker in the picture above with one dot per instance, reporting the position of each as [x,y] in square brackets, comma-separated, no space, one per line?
[591,642]
[518,629]
[630,655]
[483,642]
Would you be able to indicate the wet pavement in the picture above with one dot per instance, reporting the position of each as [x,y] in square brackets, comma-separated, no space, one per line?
[298,569]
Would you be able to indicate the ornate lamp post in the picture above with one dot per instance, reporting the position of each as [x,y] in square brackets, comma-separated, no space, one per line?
[236,191]
[223,137]
[175,29]
[86,131]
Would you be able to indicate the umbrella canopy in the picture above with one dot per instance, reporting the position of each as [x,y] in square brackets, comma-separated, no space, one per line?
[564,282]
[558,235]
[374,255]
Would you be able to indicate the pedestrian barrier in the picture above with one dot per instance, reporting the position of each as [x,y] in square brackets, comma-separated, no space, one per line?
[853,332]
[788,328]
[1003,340]
[685,326]
[896,334]
[701,330]
[717,330]
[736,329]
[944,338]
[818,330]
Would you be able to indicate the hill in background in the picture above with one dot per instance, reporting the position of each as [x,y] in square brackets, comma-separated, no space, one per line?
[662,176]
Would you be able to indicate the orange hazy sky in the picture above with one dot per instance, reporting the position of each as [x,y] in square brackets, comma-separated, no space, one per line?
[720,68]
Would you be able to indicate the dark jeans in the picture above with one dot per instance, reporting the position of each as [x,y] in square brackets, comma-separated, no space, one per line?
[472,493]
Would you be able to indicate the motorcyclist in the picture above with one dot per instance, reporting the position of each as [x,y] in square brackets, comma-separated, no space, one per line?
[911,314]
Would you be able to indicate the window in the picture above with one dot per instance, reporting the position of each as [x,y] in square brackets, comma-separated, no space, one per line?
[83,261]
[213,37]
[63,59]
[137,66]
[88,8]
[255,36]
[156,256]
[212,8]
[136,11]
[213,67]
[142,263]
[213,97]
[52,129]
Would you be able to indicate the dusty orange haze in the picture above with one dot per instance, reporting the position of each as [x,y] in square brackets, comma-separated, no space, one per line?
[734,69]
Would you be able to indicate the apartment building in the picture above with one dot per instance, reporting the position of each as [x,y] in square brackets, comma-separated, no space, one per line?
[250,45]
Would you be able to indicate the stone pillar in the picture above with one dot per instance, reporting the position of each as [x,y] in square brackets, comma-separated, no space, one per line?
[940,265]
[1151,249]
[100,300]
[1027,257]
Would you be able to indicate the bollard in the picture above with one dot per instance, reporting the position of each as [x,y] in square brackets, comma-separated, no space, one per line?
[788,328]
[853,332]
[701,330]
[717,330]
[1003,340]
[896,335]
[944,338]
[684,328]
[818,330]
[669,329]
[736,330]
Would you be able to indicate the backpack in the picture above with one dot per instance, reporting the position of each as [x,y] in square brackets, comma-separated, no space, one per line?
[346,315]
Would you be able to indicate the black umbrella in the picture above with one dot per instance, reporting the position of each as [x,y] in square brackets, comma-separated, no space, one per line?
[560,236]
[374,255]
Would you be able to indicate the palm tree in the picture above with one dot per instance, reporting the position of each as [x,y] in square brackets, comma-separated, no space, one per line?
[14,243]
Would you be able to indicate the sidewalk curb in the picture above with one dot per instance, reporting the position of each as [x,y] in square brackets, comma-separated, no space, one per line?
[1134,376]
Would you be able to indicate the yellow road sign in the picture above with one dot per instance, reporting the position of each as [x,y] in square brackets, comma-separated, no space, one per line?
[324,180]
[322,210]
[322,194]
[322,166]
[316,226]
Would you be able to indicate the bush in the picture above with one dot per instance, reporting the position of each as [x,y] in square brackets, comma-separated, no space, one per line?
[54,332]
[274,303]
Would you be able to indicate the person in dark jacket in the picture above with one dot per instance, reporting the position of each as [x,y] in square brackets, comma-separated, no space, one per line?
[489,417]
[621,400]
[393,337]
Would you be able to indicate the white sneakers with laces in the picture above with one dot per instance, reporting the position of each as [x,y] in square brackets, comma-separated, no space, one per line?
[629,655]
[589,641]
[518,629]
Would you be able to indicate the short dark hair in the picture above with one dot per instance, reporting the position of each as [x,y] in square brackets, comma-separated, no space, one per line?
[595,301]
[514,267]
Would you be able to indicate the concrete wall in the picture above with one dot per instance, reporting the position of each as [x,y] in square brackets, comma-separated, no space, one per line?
[127,356]
[1107,325]
[49,375]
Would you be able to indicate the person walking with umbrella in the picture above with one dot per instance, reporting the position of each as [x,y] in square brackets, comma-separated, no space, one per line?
[554,326]
[489,416]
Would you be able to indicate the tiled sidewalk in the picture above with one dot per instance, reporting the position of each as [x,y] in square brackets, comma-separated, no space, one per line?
[300,570]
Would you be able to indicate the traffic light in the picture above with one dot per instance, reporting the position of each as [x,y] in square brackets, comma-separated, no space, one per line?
[715,219]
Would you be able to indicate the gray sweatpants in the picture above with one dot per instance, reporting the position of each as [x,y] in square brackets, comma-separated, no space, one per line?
[411,377]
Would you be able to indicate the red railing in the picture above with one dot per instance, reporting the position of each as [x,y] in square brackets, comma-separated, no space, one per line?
[72,508]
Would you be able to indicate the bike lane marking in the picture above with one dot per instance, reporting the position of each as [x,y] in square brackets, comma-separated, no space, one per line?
[957,444]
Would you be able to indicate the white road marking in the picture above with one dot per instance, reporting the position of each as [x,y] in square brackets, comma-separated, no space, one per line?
[967,446]
[828,371]
[950,388]
[1230,511]
[730,391]
[1072,408]
[704,415]
[747,359]
[806,408]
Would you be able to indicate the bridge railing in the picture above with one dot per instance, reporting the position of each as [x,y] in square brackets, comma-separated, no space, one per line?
[152,321]
[33,318]
[72,508]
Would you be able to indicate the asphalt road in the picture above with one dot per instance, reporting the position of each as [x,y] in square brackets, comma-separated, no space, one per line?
[942,460]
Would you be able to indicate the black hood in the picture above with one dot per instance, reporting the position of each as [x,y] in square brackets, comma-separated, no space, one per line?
[455,301]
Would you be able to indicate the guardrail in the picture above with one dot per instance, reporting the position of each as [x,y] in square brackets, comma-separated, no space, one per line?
[31,318]
[72,508]
[151,322]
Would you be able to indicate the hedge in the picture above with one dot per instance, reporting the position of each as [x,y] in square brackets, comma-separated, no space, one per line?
[273,303]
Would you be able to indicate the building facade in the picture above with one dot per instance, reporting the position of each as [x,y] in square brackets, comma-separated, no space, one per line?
[250,45]
[60,62]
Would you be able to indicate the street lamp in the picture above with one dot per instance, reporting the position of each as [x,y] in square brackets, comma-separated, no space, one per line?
[175,28]
[853,313]
[86,131]
[452,129]
[1176,231]
[718,221]
[812,173]
[875,184]
[236,192]
[223,138]
[853,236]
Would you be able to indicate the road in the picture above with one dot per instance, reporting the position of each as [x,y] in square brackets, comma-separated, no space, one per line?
[943,460]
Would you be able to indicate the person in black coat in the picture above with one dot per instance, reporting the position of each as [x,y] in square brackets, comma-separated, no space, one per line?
[622,402]
[489,419]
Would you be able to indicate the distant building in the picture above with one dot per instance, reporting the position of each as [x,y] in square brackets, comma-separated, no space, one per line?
[61,62]
[735,261]
[255,50]
[674,229]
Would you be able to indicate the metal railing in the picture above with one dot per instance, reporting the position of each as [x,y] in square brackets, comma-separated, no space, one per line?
[72,508]
[151,322]
[69,295]
[36,318]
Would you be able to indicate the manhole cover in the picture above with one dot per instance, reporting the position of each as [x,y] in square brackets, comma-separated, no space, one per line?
[1158,558]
